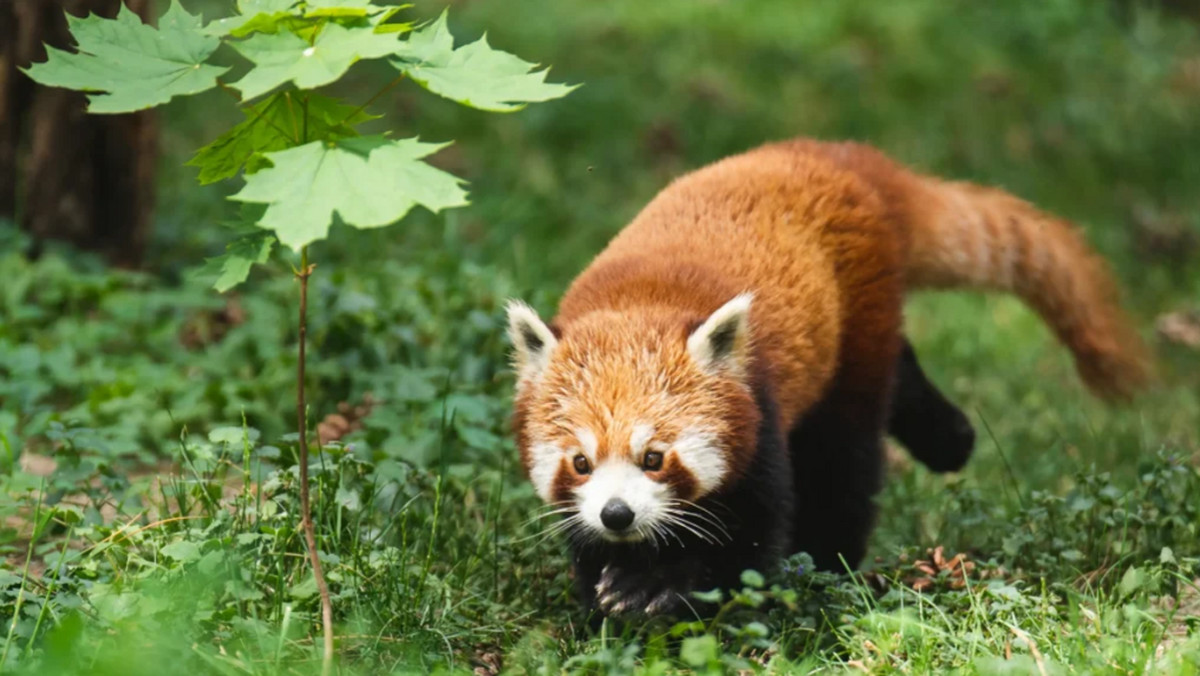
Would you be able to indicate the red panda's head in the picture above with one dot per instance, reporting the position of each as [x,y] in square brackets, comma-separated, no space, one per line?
[626,419]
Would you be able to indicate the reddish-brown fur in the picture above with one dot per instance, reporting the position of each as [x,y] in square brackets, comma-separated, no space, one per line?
[964,235]
[828,237]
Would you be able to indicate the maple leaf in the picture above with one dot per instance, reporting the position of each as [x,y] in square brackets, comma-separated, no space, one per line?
[136,65]
[233,267]
[369,181]
[283,57]
[474,75]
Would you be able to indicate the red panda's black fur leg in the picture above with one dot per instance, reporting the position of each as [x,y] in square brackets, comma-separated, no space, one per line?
[837,464]
[935,431]
[755,514]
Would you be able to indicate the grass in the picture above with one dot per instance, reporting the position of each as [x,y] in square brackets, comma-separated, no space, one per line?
[167,532]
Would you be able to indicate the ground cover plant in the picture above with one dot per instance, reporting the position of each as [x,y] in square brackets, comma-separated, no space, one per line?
[167,536]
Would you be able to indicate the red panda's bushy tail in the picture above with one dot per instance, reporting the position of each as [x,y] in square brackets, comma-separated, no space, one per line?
[965,235]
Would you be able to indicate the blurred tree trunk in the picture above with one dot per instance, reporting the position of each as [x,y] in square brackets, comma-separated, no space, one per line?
[1188,9]
[64,174]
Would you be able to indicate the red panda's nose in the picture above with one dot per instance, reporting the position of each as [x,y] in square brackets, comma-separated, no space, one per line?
[616,515]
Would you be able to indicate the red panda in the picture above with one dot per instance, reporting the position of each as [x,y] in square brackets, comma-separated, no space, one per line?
[714,390]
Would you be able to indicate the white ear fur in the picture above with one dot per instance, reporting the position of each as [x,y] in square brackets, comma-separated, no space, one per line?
[723,341]
[532,340]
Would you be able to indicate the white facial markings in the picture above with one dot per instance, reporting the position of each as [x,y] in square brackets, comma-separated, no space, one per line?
[544,461]
[587,439]
[642,434]
[698,451]
[618,478]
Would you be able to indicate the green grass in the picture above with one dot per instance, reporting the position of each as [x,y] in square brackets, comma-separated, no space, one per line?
[166,537]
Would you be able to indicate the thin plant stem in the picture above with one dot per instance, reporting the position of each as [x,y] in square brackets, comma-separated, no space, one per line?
[259,115]
[395,81]
[12,627]
[62,557]
[305,508]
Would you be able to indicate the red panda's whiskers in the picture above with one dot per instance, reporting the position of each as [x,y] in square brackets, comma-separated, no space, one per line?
[709,522]
[679,518]
[581,535]
[697,522]
[663,527]
[648,532]
[573,529]
[708,514]
[573,521]
[662,531]
[700,533]
[551,509]
[701,514]
[553,512]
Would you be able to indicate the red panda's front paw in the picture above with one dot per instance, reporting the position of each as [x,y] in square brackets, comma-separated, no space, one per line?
[627,593]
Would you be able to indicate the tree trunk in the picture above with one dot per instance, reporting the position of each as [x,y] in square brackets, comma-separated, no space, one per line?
[64,174]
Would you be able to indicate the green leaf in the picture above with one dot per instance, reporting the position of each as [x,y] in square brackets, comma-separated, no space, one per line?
[182,551]
[339,8]
[710,596]
[305,589]
[1166,556]
[756,629]
[379,21]
[1072,555]
[474,75]
[284,57]
[369,181]
[1133,580]
[242,591]
[254,15]
[274,124]
[232,435]
[212,562]
[753,578]
[699,651]
[139,66]
[233,267]
[349,499]
[70,514]
[268,126]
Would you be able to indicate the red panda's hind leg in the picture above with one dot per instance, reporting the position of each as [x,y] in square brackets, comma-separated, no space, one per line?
[935,431]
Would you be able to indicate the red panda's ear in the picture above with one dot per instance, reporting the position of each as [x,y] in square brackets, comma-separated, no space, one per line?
[532,340]
[722,343]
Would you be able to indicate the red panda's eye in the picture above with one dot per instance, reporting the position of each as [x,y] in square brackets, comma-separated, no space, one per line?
[581,465]
[652,461]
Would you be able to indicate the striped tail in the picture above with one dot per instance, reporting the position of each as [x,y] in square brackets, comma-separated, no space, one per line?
[964,235]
